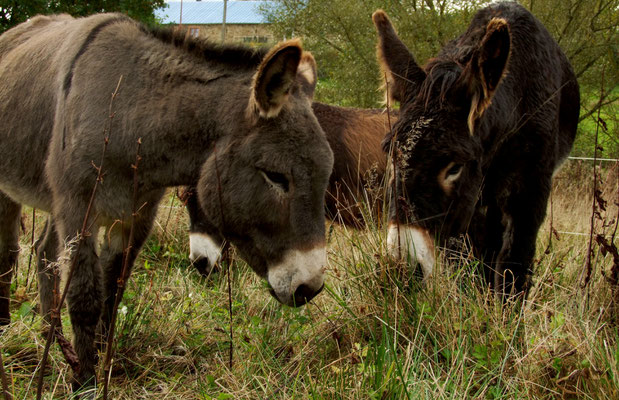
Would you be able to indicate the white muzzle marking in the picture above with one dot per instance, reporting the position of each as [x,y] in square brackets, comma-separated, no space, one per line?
[296,269]
[202,246]
[413,241]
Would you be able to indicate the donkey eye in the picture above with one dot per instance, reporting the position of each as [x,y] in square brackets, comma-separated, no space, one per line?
[276,179]
[455,169]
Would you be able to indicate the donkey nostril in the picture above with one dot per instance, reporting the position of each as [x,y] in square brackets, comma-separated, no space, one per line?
[304,294]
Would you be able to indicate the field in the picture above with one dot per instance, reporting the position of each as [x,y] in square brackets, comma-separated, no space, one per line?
[372,334]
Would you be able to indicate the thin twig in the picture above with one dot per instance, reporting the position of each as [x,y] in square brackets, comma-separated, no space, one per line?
[551,230]
[614,272]
[123,276]
[65,346]
[34,210]
[55,320]
[612,239]
[588,269]
[167,221]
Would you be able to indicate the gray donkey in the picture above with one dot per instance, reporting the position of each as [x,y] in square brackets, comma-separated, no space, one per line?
[355,136]
[240,120]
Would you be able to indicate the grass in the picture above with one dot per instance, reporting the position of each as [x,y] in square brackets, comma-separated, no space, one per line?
[372,334]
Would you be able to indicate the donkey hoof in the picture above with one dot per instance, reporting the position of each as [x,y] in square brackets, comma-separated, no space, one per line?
[84,385]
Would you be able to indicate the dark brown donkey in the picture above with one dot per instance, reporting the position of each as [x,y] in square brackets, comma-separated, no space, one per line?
[355,136]
[238,119]
[482,128]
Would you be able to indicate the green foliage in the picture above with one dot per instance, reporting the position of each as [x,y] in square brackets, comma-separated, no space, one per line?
[587,32]
[13,12]
[605,124]
[25,309]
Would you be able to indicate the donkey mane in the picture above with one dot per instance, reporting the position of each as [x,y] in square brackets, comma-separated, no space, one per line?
[446,69]
[443,72]
[240,56]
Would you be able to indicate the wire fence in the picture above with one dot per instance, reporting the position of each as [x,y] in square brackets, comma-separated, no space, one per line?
[594,159]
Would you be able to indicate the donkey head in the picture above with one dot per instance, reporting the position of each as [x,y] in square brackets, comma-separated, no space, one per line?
[263,186]
[436,144]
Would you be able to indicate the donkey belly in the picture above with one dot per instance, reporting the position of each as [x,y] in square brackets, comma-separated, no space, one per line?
[36,197]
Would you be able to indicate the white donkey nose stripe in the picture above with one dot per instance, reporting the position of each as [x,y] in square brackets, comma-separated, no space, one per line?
[202,246]
[298,268]
[412,240]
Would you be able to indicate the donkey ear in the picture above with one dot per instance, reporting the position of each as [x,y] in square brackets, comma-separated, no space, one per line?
[307,75]
[487,68]
[493,56]
[276,75]
[404,76]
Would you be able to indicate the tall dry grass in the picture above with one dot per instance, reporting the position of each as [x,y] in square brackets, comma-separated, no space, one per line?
[374,333]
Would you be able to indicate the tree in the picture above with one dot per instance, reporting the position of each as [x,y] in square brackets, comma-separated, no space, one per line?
[13,12]
[588,33]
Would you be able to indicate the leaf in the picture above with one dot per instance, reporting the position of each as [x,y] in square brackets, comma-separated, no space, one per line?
[25,309]
[480,352]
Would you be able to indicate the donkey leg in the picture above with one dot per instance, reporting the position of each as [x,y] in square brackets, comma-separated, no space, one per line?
[9,249]
[84,294]
[206,245]
[113,258]
[486,234]
[522,218]
[47,251]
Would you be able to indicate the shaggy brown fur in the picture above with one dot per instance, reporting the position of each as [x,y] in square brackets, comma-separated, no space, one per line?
[482,128]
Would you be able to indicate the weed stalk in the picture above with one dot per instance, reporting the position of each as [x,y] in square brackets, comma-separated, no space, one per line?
[124,275]
[34,214]
[55,315]
[588,268]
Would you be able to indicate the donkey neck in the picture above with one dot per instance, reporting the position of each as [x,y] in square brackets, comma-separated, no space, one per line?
[197,117]
[197,102]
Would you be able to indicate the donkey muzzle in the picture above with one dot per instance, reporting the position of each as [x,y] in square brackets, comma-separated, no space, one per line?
[299,277]
[412,241]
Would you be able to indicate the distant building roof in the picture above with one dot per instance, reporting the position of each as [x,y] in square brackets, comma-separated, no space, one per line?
[211,12]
